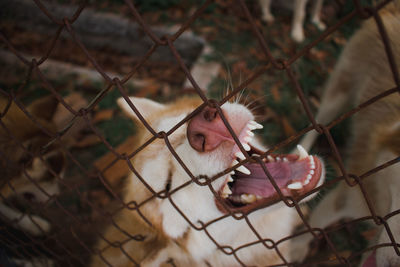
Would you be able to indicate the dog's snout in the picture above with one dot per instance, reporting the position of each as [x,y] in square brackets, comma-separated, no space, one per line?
[206,131]
[209,114]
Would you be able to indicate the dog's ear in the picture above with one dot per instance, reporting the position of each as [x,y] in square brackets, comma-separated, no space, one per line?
[44,108]
[57,162]
[146,107]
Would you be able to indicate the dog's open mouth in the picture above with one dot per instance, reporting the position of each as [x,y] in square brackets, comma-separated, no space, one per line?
[249,186]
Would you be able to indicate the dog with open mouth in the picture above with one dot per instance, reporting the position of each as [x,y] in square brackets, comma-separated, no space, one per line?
[192,223]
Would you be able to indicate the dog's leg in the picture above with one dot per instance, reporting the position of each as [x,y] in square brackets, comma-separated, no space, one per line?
[32,224]
[299,13]
[387,178]
[341,202]
[266,10]
[331,105]
[316,15]
[338,93]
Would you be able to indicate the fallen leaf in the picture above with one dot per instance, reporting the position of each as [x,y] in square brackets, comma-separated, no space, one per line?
[275,92]
[102,115]
[87,141]
[287,127]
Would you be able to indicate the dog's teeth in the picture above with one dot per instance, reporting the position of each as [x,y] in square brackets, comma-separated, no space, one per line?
[285,160]
[270,158]
[232,172]
[256,125]
[278,159]
[247,139]
[312,172]
[246,147]
[230,179]
[244,170]
[250,133]
[259,197]
[308,178]
[251,127]
[226,190]
[302,152]
[248,198]
[240,155]
[312,163]
[295,185]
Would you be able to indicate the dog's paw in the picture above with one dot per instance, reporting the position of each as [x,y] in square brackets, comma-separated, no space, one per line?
[268,17]
[34,225]
[38,262]
[300,247]
[298,34]
[320,25]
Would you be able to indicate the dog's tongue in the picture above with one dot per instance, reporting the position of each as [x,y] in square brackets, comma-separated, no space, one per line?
[257,182]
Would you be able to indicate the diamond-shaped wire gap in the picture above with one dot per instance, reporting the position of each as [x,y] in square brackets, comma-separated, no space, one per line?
[388,47]
[42,42]
[61,205]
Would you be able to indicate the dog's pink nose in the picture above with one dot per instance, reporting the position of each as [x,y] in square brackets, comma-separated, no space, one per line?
[206,130]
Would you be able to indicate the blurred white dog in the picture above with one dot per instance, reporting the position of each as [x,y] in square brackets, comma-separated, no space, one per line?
[299,11]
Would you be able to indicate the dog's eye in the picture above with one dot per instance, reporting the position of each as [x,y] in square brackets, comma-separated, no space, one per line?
[25,159]
[168,183]
[168,186]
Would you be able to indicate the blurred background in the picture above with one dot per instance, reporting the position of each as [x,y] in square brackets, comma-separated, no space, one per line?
[219,42]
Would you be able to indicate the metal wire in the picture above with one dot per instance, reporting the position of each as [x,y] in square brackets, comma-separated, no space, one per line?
[32,246]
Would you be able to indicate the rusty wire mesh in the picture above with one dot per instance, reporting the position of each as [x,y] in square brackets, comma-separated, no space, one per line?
[13,242]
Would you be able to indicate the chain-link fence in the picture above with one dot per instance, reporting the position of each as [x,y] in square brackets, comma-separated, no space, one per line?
[36,148]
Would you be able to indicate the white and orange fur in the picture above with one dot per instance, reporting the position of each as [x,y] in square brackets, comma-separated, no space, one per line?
[362,72]
[171,236]
[25,174]
[299,14]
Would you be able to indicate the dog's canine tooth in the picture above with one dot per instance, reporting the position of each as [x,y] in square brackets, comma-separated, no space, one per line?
[285,159]
[302,152]
[251,127]
[240,155]
[248,198]
[230,179]
[295,185]
[244,170]
[270,158]
[256,125]
[278,159]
